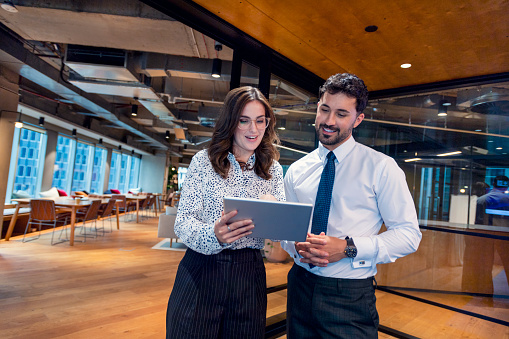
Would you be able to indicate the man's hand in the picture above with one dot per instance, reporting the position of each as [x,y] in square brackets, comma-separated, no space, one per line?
[321,249]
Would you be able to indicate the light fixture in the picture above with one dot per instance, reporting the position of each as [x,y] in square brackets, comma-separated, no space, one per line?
[119,147]
[134,110]
[217,63]
[216,68]
[478,130]
[132,152]
[406,65]
[9,6]
[18,123]
[74,132]
[167,134]
[442,110]
[413,159]
[499,148]
[41,121]
[282,124]
[447,154]
[100,141]
[462,190]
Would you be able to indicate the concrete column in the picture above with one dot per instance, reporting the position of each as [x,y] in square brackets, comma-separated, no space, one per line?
[107,169]
[9,99]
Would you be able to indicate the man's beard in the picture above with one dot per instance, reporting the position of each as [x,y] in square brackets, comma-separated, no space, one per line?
[333,139]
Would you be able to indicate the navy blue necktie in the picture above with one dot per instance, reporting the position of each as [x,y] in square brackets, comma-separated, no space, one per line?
[323,198]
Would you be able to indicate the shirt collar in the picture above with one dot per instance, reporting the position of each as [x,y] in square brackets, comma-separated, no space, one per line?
[233,160]
[340,152]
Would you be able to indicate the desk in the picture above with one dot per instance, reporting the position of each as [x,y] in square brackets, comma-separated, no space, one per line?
[74,205]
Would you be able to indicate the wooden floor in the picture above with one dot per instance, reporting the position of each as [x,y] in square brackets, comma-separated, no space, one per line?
[117,286]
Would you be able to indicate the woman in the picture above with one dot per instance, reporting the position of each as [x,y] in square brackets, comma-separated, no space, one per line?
[220,287]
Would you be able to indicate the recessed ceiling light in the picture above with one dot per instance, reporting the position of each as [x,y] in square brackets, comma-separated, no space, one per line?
[499,147]
[371,28]
[406,65]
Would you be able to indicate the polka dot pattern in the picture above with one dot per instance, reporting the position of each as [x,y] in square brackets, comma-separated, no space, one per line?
[201,201]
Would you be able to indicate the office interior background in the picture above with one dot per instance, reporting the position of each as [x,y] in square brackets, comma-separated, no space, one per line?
[113,94]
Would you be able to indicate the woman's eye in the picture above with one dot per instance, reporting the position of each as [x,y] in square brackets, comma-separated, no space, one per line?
[260,122]
[243,121]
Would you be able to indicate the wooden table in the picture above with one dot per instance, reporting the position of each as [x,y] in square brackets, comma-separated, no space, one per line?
[137,198]
[74,205]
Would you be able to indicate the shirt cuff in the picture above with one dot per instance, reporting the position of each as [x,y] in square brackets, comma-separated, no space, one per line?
[365,252]
[289,247]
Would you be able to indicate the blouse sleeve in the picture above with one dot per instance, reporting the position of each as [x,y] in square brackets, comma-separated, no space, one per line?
[191,225]
[278,190]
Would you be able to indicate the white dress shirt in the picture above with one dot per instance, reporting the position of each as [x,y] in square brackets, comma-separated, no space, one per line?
[201,201]
[369,189]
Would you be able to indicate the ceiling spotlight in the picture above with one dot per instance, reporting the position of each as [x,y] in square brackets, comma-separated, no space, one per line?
[442,110]
[119,147]
[134,110]
[41,121]
[9,6]
[167,134]
[74,132]
[18,123]
[100,141]
[406,65]
[217,63]
[132,152]
[216,68]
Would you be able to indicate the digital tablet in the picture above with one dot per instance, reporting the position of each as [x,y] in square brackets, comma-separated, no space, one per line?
[275,220]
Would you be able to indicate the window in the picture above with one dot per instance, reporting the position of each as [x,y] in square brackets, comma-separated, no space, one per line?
[97,180]
[124,165]
[28,145]
[134,172]
[82,167]
[114,170]
[63,163]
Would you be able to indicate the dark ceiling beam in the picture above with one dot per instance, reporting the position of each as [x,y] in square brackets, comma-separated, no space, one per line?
[20,60]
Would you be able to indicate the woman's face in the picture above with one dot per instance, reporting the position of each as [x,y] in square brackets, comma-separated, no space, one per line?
[245,141]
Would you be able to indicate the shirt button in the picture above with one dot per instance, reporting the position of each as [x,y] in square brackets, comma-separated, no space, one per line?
[362,262]
[295,255]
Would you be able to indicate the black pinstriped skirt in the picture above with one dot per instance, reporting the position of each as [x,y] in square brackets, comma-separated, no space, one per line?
[218,296]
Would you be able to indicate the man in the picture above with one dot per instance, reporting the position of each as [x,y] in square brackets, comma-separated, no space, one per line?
[331,284]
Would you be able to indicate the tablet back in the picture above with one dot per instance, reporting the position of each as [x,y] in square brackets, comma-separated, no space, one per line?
[274,220]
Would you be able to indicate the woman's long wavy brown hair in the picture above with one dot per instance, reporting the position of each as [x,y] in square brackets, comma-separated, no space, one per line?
[228,122]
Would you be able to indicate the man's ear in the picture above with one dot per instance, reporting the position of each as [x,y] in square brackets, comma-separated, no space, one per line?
[358,120]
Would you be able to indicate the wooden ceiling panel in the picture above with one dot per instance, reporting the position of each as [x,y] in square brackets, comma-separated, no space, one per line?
[442,39]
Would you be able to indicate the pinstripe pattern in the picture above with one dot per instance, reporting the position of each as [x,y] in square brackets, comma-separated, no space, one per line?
[218,296]
[321,307]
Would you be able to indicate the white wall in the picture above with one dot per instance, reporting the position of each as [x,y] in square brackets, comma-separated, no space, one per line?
[152,171]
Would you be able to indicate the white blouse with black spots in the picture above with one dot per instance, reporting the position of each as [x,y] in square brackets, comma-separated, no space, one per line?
[201,201]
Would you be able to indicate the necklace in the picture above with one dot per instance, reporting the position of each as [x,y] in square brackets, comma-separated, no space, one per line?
[244,166]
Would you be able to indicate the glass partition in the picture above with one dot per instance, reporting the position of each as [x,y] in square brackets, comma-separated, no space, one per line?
[134,172]
[123,176]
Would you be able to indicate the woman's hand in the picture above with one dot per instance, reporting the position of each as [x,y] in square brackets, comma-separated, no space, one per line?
[227,232]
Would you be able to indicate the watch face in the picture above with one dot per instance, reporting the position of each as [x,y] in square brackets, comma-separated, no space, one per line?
[351,252]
